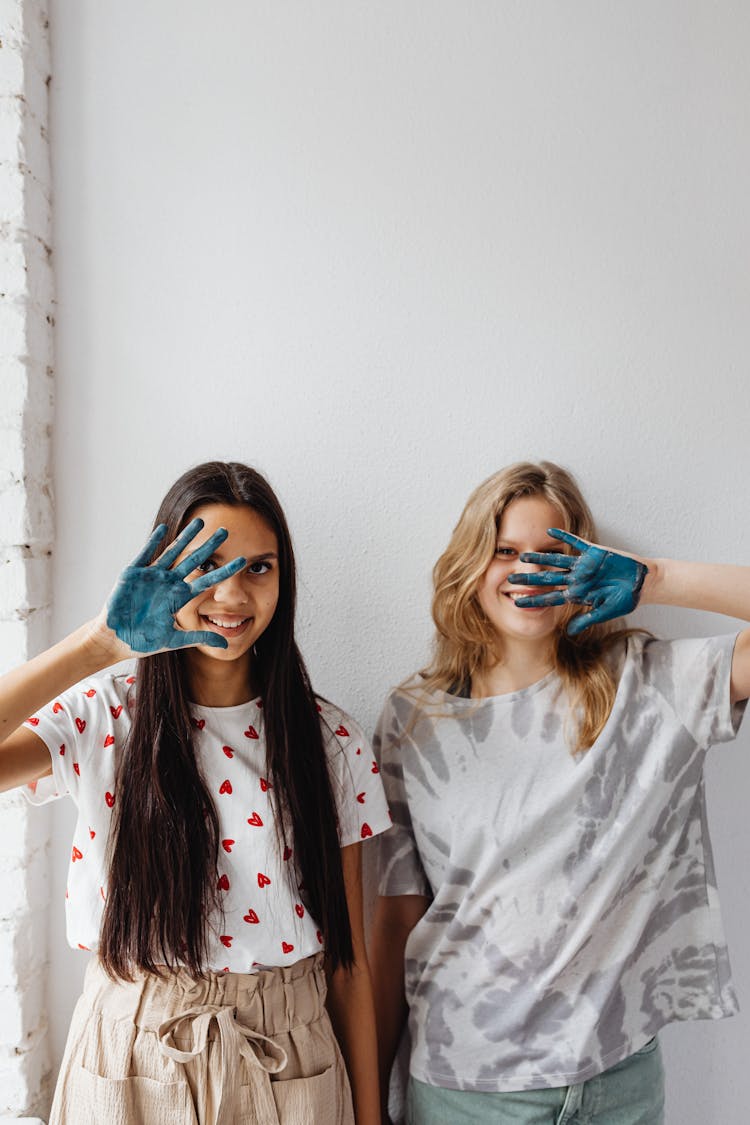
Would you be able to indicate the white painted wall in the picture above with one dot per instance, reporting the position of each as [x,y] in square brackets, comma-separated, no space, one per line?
[380,250]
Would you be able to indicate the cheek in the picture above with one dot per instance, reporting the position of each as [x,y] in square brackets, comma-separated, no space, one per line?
[188,612]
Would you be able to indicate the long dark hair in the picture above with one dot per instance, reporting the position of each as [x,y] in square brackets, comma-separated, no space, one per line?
[164,843]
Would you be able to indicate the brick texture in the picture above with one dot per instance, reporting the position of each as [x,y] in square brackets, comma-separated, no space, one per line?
[26,528]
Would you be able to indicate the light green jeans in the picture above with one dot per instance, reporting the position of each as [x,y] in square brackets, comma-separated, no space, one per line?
[630,1093]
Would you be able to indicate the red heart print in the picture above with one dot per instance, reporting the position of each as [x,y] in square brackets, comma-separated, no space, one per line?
[76,855]
[226,940]
[319,708]
[259,703]
[90,693]
[62,748]
[199,724]
[251,917]
[299,910]
[359,749]
[130,680]
[84,947]
[223,883]
[287,853]
[109,798]
[263,880]
[225,787]
[265,785]
[319,936]
[361,798]
[287,947]
[228,751]
[81,724]
[366,831]
[92,833]
[116,711]
[57,707]
[375,768]
[342,732]
[251,732]
[108,741]
[227,845]
[101,892]
[77,768]
[33,720]
[255,820]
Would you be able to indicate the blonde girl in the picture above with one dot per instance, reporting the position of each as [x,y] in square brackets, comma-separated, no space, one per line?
[548,900]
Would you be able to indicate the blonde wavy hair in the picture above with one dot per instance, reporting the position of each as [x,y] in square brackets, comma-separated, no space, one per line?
[466,643]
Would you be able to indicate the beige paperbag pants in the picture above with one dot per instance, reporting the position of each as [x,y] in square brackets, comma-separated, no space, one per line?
[233,1048]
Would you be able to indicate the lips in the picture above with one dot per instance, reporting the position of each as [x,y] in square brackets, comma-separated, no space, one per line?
[521,593]
[226,624]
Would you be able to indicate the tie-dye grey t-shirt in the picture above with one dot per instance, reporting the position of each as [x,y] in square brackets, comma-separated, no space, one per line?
[574,907]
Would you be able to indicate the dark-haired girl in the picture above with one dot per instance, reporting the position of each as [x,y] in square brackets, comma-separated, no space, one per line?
[215,865]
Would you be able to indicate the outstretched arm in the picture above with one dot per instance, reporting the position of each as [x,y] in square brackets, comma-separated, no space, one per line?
[612,584]
[714,587]
[138,620]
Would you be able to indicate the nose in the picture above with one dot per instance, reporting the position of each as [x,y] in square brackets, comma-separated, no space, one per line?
[233,590]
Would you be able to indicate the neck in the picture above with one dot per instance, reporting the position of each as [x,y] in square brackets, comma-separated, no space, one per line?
[517,668]
[219,683]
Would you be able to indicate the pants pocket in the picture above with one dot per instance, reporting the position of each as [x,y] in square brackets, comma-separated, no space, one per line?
[90,1099]
[300,1101]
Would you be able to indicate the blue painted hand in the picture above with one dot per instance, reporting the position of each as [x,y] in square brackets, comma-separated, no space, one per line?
[146,597]
[608,582]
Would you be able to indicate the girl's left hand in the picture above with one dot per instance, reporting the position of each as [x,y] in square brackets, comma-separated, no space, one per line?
[609,582]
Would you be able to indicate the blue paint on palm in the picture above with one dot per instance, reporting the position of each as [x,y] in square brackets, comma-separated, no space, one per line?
[608,582]
[147,596]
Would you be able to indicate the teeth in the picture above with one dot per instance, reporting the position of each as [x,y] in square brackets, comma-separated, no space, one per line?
[223,623]
[518,594]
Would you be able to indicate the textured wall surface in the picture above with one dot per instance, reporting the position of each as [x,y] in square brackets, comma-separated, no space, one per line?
[379,251]
[26,531]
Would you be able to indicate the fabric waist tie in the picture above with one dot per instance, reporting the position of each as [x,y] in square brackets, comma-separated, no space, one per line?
[235,1039]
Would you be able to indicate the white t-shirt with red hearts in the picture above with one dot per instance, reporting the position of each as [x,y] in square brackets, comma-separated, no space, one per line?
[265,921]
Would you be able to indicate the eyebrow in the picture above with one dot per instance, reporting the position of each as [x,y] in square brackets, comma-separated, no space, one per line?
[505,541]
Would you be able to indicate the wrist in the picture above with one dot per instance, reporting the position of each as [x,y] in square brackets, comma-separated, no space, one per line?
[653,581]
[99,645]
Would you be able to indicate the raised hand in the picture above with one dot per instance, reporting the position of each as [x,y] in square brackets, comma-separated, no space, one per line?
[142,606]
[607,581]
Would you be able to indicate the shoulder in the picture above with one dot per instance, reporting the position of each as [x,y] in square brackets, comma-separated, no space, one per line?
[339,728]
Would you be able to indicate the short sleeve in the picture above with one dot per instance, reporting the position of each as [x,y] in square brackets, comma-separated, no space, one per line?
[694,677]
[78,728]
[355,774]
[400,870]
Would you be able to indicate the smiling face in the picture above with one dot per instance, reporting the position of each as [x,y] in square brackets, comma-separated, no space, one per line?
[241,607]
[523,527]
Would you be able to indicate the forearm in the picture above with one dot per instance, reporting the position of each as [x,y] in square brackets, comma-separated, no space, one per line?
[714,587]
[395,918]
[390,1016]
[27,688]
[350,1006]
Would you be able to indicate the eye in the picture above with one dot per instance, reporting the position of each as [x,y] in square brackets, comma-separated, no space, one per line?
[206,567]
[261,567]
[505,552]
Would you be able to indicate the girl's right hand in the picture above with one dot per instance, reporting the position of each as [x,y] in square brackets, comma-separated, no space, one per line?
[138,618]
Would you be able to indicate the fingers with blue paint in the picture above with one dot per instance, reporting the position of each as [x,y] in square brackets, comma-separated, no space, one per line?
[142,607]
[605,580]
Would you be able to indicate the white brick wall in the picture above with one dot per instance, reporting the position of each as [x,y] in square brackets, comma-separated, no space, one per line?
[26,529]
